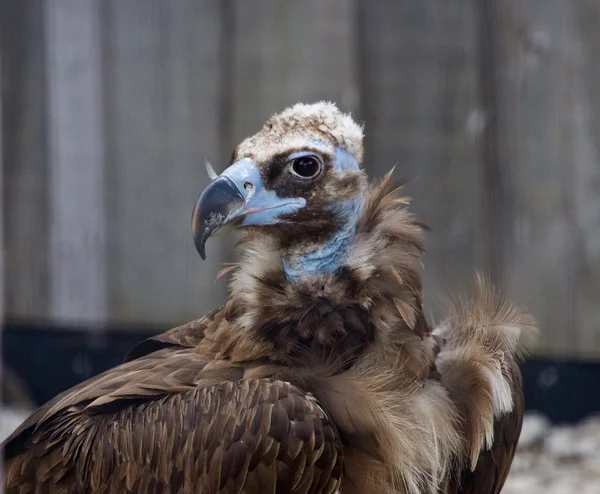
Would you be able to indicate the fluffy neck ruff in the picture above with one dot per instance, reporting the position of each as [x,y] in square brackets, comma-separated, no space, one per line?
[374,294]
[331,256]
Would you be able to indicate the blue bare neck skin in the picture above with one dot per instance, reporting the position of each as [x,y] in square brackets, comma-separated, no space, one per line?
[330,256]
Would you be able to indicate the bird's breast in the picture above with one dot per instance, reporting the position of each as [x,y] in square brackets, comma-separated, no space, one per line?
[321,331]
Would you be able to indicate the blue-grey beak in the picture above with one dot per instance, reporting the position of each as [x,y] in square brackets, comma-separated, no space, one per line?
[238,193]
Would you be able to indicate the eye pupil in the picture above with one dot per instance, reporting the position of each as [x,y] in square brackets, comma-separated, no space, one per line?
[306,166]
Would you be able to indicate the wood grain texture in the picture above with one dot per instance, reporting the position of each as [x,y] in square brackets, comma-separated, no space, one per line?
[586,43]
[2,255]
[77,194]
[552,168]
[24,159]
[490,104]
[286,52]
[162,75]
[420,103]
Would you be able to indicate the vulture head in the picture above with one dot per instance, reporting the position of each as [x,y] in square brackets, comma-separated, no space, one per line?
[297,182]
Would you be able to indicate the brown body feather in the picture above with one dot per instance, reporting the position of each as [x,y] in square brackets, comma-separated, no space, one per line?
[330,383]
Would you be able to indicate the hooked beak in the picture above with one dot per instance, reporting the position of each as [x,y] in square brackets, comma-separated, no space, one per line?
[238,193]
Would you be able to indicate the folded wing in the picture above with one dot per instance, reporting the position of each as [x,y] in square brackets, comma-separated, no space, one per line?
[163,423]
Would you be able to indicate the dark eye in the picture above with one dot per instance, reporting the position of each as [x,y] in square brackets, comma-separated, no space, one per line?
[306,166]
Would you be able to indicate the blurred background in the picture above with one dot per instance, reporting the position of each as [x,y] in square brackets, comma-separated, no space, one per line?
[110,108]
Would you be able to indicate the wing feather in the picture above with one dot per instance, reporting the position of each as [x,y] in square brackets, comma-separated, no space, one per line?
[480,344]
[226,437]
[187,335]
[493,465]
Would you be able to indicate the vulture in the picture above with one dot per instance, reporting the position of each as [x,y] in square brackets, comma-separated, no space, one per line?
[320,374]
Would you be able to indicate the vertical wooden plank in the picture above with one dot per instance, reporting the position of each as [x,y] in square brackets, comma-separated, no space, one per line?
[77,196]
[2,253]
[586,195]
[497,197]
[555,172]
[193,77]
[420,104]
[24,158]
[286,52]
[162,77]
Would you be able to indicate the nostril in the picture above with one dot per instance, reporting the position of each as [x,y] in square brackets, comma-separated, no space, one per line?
[248,186]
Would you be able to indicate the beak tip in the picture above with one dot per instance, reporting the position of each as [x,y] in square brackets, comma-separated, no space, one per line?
[199,243]
[212,210]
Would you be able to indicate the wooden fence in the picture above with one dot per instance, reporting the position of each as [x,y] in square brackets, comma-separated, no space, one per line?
[110,108]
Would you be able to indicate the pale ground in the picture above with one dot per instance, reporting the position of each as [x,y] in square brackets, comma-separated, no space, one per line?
[555,460]
[10,419]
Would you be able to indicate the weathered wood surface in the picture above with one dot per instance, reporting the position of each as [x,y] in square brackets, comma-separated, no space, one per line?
[548,157]
[76,179]
[419,99]
[25,158]
[585,119]
[284,52]
[2,248]
[491,104]
[162,86]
